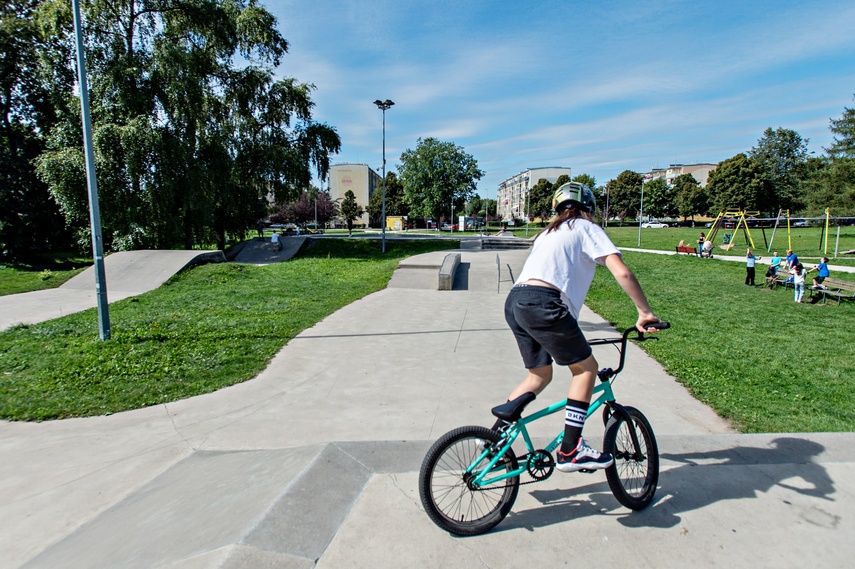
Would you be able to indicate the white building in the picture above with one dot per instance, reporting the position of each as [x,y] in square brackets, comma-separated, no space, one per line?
[358,178]
[701,172]
[513,192]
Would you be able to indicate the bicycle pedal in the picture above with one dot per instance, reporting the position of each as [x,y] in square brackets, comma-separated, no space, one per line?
[587,470]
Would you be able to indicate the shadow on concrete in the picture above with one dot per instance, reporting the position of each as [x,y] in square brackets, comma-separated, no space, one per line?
[703,479]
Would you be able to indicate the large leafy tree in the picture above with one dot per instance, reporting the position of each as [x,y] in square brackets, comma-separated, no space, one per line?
[540,200]
[395,202]
[188,144]
[586,179]
[783,152]
[691,198]
[830,183]
[625,194]
[436,176]
[660,199]
[29,219]
[740,183]
[843,129]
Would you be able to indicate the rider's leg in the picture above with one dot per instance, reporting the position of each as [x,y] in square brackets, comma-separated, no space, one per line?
[575,454]
[578,399]
[536,380]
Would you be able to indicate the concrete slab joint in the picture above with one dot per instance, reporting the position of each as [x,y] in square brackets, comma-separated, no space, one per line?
[447,270]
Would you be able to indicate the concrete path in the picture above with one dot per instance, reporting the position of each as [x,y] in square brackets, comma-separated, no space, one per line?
[314,463]
[128,273]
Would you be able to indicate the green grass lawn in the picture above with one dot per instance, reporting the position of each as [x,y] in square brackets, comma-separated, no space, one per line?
[808,242]
[48,271]
[761,360]
[207,328]
[758,358]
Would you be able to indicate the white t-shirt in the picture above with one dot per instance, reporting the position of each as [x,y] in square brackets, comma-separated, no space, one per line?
[567,258]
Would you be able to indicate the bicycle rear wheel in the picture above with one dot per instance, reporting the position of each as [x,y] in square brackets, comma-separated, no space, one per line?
[447,496]
[634,475]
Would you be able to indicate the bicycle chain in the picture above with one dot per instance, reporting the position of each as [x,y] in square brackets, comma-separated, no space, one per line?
[519,458]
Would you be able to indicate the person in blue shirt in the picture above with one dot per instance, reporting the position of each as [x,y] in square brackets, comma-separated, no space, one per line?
[792,260]
[822,267]
[774,264]
[750,263]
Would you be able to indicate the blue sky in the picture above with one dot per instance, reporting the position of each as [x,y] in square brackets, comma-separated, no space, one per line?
[600,87]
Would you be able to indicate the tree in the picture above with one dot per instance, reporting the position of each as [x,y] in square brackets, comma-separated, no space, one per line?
[783,152]
[29,219]
[350,210]
[830,184]
[586,179]
[740,183]
[625,194]
[436,177]
[691,198]
[660,199]
[395,203]
[844,136]
[188,146]
[540,200]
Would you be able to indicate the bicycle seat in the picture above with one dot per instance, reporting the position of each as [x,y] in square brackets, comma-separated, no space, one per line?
[512,410]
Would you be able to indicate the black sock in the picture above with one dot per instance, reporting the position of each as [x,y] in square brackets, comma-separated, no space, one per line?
[574,419]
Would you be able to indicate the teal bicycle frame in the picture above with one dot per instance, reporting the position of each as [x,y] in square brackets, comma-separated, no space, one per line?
[603,394]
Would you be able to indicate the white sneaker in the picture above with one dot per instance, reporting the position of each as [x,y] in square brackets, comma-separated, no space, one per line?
[583,457]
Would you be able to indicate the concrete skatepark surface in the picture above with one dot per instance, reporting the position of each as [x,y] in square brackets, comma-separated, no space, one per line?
[314,463]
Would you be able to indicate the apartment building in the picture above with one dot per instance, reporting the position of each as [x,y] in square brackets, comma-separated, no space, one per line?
[513,192]
[701,172]
[360,179]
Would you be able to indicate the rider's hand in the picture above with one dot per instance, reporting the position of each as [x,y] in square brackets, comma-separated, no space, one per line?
[645,320]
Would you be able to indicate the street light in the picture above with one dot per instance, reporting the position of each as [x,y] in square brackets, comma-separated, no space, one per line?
[383,106]
[92,183]
[641,214]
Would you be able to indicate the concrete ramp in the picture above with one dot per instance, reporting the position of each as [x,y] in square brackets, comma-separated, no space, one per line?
[263,252]
[129,273]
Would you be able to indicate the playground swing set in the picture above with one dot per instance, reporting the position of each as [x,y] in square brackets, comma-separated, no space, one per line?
[741,217]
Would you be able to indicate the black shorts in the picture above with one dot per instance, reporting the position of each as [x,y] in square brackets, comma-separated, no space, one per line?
[819,280]
[544,328]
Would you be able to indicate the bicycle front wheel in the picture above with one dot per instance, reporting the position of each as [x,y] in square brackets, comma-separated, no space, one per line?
[635,472]
[448,496]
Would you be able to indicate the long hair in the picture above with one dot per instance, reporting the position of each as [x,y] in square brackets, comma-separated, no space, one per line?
[567,215]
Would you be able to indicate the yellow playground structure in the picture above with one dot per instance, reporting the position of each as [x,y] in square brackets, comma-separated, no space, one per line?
[726,217]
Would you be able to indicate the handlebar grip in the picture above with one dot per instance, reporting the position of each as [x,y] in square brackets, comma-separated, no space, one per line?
[661,325]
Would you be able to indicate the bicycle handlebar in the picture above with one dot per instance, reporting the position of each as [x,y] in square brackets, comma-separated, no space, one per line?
[607,373]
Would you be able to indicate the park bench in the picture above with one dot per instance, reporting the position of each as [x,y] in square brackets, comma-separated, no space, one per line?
[835,288]
[687,249]
[783,279]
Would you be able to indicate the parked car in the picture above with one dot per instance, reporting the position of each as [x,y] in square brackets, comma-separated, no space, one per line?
[653,224]
[801,223]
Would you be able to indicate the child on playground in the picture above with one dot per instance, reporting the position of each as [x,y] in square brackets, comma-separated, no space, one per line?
[750,263]
[774,265]
[822,267]
[798,273]
[542,310]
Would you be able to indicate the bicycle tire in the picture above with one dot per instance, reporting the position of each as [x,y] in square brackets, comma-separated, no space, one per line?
[447,498]
[633,482]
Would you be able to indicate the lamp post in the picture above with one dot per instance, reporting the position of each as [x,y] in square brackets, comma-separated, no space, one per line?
[641,214]
[383,106]
[92,183]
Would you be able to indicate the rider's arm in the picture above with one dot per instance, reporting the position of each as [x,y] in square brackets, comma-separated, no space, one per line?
[627,281]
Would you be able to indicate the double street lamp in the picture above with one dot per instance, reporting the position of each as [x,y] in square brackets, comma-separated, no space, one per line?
[383,106]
